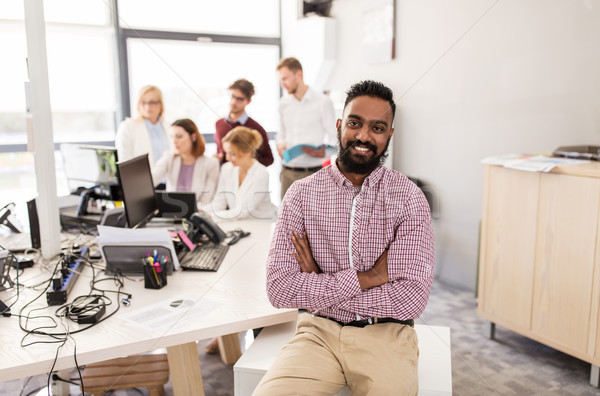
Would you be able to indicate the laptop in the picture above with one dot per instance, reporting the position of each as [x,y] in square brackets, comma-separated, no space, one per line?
[176,204]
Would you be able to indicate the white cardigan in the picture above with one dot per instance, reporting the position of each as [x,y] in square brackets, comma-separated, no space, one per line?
[133,139]
[251,199]
[204,179]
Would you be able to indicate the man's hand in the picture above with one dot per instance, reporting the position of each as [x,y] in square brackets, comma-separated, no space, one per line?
[320,152]
[303,254]
[280,149]
[219,156]
[376,276]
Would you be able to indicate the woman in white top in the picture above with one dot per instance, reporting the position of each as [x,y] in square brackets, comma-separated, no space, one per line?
[186,166]
[147,133]
[243,190]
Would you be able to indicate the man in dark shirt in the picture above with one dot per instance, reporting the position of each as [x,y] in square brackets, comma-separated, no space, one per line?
[241,95]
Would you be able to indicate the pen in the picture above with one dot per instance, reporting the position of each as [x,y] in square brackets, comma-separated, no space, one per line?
[148,271]
[155,256]
[165,262]
[155,275]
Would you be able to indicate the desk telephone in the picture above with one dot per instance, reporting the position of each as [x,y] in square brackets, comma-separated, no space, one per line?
[210,256]
[203,225]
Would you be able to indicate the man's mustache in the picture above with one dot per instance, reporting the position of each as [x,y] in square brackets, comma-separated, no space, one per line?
[353,143]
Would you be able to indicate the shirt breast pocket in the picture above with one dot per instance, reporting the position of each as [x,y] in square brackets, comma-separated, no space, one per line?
[373,243]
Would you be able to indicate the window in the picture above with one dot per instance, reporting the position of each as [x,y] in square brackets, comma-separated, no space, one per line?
[12,81]
[194,77]
[82,78]
[231,17]
[81,69]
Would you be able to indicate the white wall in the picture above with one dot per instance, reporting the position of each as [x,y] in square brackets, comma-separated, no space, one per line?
[474,79]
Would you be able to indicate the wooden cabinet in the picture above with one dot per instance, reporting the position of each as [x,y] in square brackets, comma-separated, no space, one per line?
[539,271]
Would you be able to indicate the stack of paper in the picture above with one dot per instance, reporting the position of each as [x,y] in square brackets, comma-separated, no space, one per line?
[178,311]
[531,163]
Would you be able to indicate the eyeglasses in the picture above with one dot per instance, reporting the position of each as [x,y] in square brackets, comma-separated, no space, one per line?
[150,103]
[238,98]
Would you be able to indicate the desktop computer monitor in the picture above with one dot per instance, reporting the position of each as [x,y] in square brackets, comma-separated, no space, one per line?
[92,171]
[138,190]
[89,165]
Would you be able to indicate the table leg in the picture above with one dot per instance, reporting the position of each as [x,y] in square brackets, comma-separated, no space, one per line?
[184,368]
[229,347]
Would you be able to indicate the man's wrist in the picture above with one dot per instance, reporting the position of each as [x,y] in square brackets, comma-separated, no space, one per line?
[370,278]
[365,279]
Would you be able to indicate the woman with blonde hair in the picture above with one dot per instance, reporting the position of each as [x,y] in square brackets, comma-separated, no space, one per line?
[243,189]
[185,166]
[147,132]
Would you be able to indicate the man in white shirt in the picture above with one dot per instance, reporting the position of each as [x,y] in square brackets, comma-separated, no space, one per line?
[306,117]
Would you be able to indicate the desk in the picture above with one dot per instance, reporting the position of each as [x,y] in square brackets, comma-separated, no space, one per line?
[238,286]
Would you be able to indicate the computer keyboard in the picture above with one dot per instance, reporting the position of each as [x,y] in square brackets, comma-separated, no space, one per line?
[205,258]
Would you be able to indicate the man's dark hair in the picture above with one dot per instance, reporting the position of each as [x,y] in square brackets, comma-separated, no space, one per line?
[245,86]
[374,89]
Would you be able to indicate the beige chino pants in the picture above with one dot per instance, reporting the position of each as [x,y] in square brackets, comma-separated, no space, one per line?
[324,357]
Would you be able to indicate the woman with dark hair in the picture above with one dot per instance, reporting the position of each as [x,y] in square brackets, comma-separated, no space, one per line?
[186,166]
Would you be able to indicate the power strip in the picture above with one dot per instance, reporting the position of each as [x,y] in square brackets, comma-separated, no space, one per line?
[63,285]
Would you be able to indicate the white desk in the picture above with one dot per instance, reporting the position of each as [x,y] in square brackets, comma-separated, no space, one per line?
[238,287]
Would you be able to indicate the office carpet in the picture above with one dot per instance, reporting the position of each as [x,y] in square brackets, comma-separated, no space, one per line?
[509,365]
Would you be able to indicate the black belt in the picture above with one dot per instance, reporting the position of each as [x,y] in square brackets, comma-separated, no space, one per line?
[313,169]
[370,321]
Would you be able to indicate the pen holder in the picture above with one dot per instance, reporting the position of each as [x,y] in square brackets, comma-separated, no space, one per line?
[155,276]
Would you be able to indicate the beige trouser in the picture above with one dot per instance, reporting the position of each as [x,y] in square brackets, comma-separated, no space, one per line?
[323,357]
[289,176]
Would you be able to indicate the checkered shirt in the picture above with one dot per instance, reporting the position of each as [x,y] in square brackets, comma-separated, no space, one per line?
[390,212]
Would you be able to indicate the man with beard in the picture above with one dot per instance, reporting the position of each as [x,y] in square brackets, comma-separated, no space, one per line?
[306,117]
[353,249]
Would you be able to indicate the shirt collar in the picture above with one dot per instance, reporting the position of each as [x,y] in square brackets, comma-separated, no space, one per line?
[341,180]
[309,94]
[241,119]
[149,123]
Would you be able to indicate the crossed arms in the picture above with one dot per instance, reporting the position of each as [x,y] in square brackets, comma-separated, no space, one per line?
[376,276]
[396,284]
